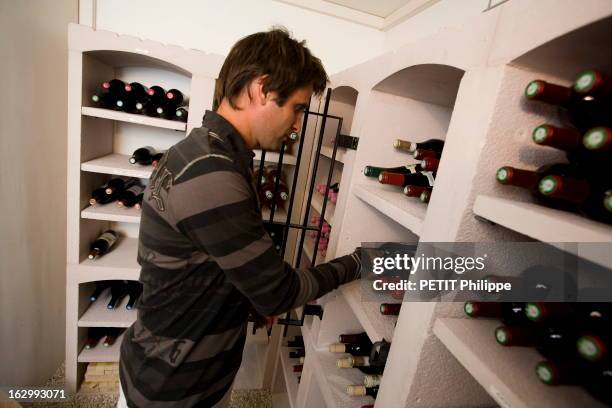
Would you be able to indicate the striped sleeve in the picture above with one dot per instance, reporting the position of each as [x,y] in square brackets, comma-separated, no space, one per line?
[214,206]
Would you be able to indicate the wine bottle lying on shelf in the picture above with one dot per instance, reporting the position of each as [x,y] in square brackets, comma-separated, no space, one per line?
[313,310]
[357,338]
[134,98]
[94,334]
[102,245]
[181,114]
[360,362]
[414,191]
[298,368]
[118,292]
[156,94]
[373,171]
[134,290]
[584,111]
[372,380]
[511,313]
[550,341]
[420,154]
[99,196]
[359,390]
[354,349]
[297,353]
[119,184]
[402,180]
[175,98]
[390,309]
[111,335]
[156,158]
[297,342]
[586,196]
[595,84]
[596,380]
[143,156]
[425,196]
[101,286]
[435,145]
[129,197]
[595,344]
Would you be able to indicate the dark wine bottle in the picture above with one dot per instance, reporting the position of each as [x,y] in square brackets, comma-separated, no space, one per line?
[429,164]
[138,203]
[425,196]
[359,390]
[298,368]
[373,171]
[156,158]
[111,335]
[594,344]
[587,196]
[297,353]
[101,286]
[372,380]
[118,185]
[402,180]
[99,196]
[156,94]
[143,156]
[133,99]
[181,114]
[357,338]
[435,145]
[414,191]
[129,197]
[595,84]
[360,362]
[510,313]
[354,349]
[114,86]
[94,334]
[102,244]
[390,309]
[104,99]
[550,341]
[175,98]
[134,290]
[297,342]
[420,154]
[118,292]
[583,111]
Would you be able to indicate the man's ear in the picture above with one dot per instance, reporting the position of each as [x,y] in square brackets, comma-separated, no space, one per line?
[258,96]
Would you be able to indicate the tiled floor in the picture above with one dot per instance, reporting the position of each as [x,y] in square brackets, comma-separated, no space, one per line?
[240,398]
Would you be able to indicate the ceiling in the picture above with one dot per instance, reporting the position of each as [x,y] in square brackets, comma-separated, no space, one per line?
[380,14]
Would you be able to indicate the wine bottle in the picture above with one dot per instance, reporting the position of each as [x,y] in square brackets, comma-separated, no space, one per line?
[156,158]
[297,342]
[111,335]
[313,310]
[390,309]
[429,164]
[143,155]
[297,353]
[302,359]
[414,191]
[402,180]
[373,171]
[114,86]
[94,334]
[594,345]
[181,114]
[595,84]
[354,349]
[359,390]
[138,203]
[101,286]
[357,338]
[587,196]
[372,380]
[118,292]
[298,368]
[128,197]
[583,111]
[435,145]
[510,313]
[117,185]
[550,341]
[99,196]
[156,94]
[425,196]
[103,99]
[102,244]
[599,141]
[133,99]
[175,98]
[420,154]
[134,290]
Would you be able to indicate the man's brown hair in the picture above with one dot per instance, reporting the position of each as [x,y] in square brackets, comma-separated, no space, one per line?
[288,64]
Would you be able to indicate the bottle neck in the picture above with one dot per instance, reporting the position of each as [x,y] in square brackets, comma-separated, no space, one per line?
[564,188]
[559,138]
[512,176]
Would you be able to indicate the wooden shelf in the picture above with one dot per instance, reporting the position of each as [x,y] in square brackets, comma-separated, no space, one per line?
[119,263]
[333,380]
[506,373]
[376,325]
[132,118]
[409,212]
[111,212]
[330,209]
[548,225]
[280,215]
[272,157]
[328,151]
[117,164]
[97,315]
[290,377]
[101,354]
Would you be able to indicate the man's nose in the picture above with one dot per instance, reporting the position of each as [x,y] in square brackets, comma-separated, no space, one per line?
[297,124]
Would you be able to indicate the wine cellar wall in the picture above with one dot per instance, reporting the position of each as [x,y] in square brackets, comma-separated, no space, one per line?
[471,98]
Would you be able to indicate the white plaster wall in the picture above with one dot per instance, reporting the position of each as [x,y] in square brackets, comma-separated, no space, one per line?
[33,79]
[214,26]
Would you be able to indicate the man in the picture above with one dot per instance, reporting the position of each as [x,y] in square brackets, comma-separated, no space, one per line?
[205,255]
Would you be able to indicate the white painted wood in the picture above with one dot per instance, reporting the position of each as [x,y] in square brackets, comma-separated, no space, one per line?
[272,157]
[377,326]
[288,374]
[97,315]
[133,118]
[117,164]
[101,354]
[112,212]
[328,151]
[506,373]
[406,211]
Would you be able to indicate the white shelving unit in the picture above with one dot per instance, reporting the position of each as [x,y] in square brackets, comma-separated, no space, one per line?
[118,165]
[101,354]
[132,118]
[472,97]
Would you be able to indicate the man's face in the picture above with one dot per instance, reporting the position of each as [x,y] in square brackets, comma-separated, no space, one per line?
[272,124]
